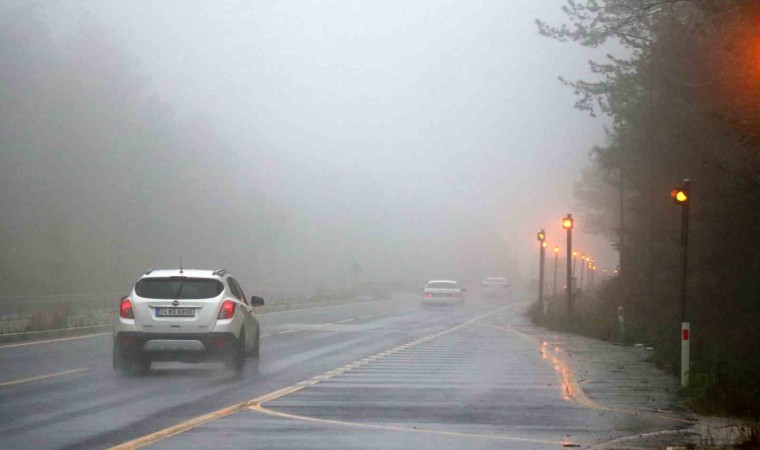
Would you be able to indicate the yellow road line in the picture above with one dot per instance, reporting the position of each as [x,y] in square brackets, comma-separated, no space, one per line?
[41,377]
[192,423]
[48,341]
[572,388]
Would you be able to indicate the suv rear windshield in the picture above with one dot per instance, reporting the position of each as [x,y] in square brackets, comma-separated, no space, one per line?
[178,288]
[442,285]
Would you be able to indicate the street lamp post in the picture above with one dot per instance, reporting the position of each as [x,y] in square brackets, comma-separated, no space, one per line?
[575,260]
[541,236]
[580,283]
[682,198]
[556,257]
[567,223]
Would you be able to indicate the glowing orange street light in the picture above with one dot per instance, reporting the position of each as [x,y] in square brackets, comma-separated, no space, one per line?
[556,249]
[680,195]
[544,244]
[567,222]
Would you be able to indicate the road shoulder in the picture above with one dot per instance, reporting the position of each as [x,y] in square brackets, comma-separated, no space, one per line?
[620,377]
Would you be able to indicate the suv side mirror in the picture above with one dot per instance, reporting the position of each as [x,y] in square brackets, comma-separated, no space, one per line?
[257,301]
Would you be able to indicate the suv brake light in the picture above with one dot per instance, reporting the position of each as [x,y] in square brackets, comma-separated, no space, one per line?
[125,309]
[427,295]
[227,310]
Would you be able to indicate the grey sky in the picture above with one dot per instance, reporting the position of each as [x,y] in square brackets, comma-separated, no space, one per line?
[377,121]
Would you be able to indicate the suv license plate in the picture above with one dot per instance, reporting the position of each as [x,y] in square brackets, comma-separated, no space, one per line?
[175,312]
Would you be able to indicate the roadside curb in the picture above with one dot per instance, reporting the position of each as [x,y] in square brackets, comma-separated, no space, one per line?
[48,334]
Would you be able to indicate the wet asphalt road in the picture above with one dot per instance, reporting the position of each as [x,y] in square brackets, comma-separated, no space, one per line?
[373,375]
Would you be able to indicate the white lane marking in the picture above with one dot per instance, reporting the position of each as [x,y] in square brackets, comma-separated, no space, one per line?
[503,437]
[49,341]
[347,320]
[42,377]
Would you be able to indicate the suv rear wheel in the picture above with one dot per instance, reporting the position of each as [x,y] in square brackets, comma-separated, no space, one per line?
[236,359]
[255,353]
[130,365]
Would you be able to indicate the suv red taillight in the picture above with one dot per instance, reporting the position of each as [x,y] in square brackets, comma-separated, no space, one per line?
[125,309]
[227,311]
[427,295]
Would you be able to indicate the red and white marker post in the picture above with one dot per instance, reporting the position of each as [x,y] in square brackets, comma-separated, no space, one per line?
[685,338]
[621,322]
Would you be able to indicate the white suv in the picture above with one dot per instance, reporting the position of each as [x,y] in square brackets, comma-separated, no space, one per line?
[188,316]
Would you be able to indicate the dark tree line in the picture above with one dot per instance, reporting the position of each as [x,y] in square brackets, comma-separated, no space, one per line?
[684,102]
[100,179]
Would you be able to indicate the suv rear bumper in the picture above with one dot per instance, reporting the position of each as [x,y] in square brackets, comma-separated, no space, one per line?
[186,347]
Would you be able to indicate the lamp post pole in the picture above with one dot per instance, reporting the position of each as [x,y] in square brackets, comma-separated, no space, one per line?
[556,258]
[575,261]
[580,283]
[682,198]
[541,236]
[567,223]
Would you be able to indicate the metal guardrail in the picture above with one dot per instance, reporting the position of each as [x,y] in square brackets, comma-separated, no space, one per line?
[24,304]
[47,312]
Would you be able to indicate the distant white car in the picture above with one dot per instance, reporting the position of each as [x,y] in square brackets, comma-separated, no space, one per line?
[495,286]
[443,293]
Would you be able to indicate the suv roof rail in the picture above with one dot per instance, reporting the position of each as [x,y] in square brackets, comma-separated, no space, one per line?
[220,272]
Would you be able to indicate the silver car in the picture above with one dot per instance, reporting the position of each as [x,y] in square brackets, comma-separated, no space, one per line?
[185,315]
[442,293]
[495,287]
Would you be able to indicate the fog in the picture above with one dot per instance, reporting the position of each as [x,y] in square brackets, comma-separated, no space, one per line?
[290,142]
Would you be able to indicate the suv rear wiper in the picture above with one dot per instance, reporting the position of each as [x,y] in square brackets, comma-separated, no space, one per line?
[179,292]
